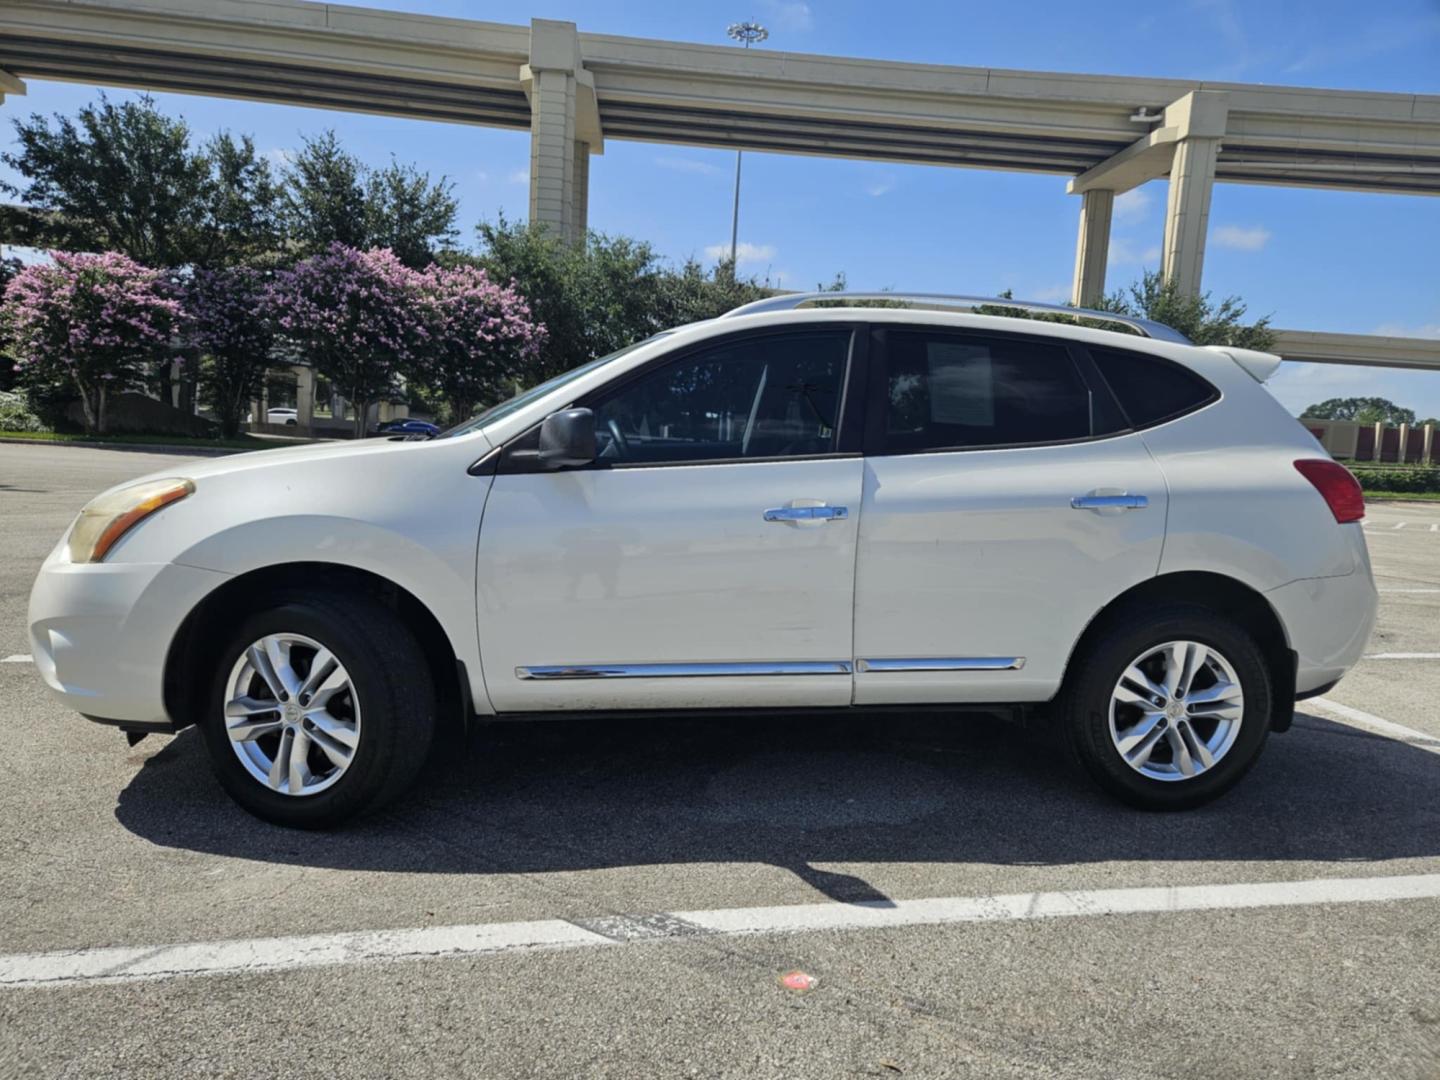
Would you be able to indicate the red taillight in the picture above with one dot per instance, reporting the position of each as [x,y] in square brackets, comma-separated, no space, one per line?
[1337,486]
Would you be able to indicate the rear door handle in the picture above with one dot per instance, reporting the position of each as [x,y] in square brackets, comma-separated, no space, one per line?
[1109,502]
[807,513]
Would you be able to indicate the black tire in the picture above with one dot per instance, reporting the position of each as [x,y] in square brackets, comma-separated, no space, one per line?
[391,680]
[1085,712]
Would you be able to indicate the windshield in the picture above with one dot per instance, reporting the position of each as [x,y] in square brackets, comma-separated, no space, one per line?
[520,400]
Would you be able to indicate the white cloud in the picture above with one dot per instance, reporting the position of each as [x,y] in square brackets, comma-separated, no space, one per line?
[1241,237]
[518,176]
[1132,205]
[1126,253]
[687,165]
[794,16]
[882,186]
[278,157]
[745,252]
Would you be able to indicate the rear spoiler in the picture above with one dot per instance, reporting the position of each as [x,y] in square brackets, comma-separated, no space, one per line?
[1258,365]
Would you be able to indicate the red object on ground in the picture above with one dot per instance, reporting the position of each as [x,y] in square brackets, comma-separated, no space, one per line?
[798,980]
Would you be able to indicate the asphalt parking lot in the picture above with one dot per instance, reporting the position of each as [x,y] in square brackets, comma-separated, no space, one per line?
[570,899]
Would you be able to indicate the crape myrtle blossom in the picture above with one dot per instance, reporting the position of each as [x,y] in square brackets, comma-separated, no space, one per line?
[227,327]
[96,322]
[482,337]
[356,317]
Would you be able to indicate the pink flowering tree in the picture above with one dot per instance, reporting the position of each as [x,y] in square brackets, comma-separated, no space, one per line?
[228,330]
[356,317]
[93,323]
[482,337]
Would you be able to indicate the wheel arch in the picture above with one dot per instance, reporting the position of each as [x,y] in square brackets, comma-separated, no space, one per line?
[1224,595]
[189,659]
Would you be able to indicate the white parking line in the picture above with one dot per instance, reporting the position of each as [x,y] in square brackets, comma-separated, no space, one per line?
[18,658]
[1409,590]
[1398,525]
[1401,656]
[261,955]
[1368,722]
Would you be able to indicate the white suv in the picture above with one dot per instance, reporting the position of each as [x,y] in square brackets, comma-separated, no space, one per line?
[791,508]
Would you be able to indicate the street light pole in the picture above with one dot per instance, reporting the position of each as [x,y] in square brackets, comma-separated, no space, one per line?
[751,33]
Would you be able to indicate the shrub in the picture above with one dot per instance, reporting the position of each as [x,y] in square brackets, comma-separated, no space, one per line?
[15,414]
[1409,479]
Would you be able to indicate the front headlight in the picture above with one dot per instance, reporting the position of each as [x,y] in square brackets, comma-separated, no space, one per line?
[108,517]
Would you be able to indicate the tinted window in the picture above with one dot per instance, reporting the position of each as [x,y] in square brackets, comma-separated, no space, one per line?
[954,391]
[775,396]
[1150,389]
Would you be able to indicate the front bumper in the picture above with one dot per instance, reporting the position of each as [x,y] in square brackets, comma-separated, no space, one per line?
[100,633]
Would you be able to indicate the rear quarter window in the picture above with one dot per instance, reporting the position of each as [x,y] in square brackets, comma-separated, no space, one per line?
[1151,389]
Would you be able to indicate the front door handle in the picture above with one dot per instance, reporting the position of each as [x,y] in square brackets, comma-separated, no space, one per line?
[1109,502]
[807,513]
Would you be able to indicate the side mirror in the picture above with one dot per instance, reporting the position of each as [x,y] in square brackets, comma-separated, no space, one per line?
[567,438]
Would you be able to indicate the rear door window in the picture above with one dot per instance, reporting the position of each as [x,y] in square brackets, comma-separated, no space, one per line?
[956,391]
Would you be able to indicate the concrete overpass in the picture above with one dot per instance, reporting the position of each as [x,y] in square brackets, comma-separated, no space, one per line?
[572,91]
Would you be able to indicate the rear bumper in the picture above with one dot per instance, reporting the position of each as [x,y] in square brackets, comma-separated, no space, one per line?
[1328,623]
[100,632]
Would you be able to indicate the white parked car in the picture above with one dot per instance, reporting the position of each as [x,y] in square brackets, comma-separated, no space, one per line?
[288,417]
[788,508]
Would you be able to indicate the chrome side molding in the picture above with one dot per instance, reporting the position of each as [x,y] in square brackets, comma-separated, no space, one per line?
[682,671]
[944,663]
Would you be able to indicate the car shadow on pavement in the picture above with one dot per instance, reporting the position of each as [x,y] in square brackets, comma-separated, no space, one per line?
[576,795]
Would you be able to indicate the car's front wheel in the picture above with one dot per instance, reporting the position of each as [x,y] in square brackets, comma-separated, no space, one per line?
[1170,707]
[321,708]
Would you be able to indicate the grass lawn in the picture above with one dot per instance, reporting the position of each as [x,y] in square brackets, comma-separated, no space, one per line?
[243,442]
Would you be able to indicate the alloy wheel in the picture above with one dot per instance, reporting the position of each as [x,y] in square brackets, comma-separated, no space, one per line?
[1176,711]
[292,714]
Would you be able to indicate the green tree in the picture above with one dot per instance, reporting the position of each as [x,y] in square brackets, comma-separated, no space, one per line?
[692,293]
[126,178]
[1199,318]
[592,298]
[324,200]
[408,214]
[1365,410]
[331,197]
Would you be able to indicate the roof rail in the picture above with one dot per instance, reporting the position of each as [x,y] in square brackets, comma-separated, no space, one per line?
[792,301]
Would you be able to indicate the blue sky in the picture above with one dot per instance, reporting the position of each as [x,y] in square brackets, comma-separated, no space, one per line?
[1311,259]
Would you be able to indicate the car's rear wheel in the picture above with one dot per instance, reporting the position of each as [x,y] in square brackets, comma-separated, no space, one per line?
[1169,708]
[321,708]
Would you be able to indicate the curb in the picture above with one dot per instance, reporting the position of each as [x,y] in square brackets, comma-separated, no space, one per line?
[139,448]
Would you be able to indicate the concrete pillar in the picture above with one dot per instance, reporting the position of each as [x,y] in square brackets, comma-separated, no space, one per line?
[9,84]
[304,399]
[1092,247]
[580,219]
[1187,213]
[1379,452]
[1427,444]
[564,128]
[1200,117]
[1404,439]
